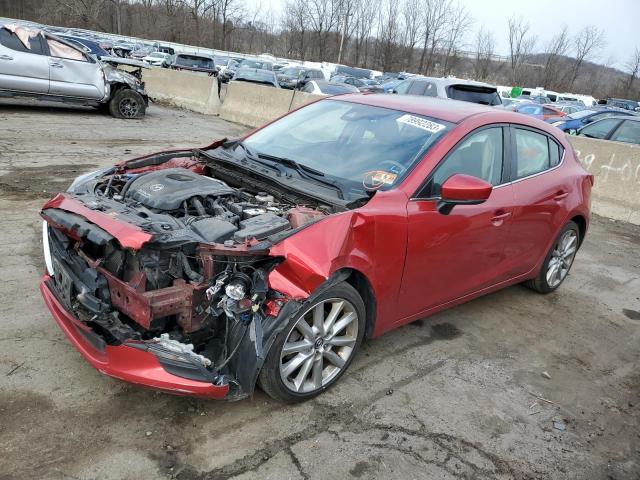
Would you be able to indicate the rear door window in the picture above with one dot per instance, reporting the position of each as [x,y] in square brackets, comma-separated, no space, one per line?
[629,132]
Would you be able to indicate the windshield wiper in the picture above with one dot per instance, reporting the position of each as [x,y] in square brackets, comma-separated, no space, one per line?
[251,154]
[306,172]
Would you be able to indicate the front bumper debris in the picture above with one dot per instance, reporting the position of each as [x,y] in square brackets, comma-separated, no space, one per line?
[124,362]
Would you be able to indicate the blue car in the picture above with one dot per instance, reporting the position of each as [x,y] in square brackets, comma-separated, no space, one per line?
[390,85]
[575,121]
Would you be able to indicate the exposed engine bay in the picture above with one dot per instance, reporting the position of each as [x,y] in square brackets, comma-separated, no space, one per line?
[196,294]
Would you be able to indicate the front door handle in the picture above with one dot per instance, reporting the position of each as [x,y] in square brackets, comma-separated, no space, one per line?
[56,65]
[6,57]
[560,195]
[499,217]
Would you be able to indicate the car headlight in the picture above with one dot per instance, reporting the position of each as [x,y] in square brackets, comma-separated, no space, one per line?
[555,124]
[47,249]
[86,177]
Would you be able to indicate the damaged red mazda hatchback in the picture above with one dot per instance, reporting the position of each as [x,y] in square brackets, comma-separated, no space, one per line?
[266,260]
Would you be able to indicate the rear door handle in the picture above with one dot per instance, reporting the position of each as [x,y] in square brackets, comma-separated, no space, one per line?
[500,217]
[6,57]
[56,65]
[560,195]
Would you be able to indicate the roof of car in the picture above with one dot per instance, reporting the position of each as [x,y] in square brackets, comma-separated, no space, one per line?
[449,110]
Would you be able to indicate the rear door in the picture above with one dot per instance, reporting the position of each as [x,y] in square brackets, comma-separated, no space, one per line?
[540,190]
[73,73]
[23,67]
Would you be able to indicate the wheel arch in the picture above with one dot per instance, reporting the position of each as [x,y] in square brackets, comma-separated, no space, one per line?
[581,221]
[361,283]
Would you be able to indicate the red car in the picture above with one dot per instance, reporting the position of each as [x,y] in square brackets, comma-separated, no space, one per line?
[268,259]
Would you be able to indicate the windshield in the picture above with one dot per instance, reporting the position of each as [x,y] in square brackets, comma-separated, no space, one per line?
[348,140]
[193,61]
[581,114]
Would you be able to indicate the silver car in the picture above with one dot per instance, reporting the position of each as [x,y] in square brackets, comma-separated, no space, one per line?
[39,65]
[453,88]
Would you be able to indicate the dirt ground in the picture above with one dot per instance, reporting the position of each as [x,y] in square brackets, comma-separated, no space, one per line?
[457,395]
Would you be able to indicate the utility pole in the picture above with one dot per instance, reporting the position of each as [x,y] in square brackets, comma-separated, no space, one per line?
[344,30]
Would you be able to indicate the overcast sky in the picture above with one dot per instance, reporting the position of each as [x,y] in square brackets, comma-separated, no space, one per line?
[620,20]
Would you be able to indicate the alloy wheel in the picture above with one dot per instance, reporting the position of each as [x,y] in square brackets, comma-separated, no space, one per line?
[129,108]
[562,258]
[319,345]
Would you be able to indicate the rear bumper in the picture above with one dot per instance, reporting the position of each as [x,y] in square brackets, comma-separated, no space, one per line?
[122,362]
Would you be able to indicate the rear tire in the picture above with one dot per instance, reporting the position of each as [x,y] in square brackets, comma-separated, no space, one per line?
[127,103]
[558,261]
[316,347]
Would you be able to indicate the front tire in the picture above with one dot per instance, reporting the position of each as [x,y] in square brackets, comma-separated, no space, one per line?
[316,347]
[558,261]
[127,103]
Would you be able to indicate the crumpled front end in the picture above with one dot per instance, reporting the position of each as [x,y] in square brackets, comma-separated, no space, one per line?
[168,287]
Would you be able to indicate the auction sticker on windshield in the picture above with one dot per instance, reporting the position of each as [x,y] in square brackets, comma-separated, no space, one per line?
[419,122]
[378,178]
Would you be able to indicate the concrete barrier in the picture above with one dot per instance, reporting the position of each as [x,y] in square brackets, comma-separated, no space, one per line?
[616,168]
[255,105]
[193,91]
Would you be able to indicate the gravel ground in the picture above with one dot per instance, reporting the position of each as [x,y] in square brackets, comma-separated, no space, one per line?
[458,395]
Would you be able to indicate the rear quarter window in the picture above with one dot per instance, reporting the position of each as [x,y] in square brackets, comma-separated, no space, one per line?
[532,153]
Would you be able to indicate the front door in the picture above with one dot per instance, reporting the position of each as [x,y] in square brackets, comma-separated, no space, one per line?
[73,73]
[450,256]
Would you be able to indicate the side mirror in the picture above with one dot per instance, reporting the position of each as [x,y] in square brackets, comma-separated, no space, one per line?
[460,189]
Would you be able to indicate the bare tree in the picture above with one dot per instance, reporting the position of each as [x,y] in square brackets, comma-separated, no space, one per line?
[297,24]
[412,29]
[458,25]
[557,48]
[434,19]
[587,43]
[633,67]
[521,45]
[388,33]
[485,47]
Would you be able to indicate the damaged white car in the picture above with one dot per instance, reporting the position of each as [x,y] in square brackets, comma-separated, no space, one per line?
[39,65]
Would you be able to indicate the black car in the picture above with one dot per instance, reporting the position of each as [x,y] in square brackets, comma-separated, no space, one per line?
[362,84]
[294,77]
[193,63]
[618,129]
[235,65]
[256,75]
[321,87]
[623,103]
